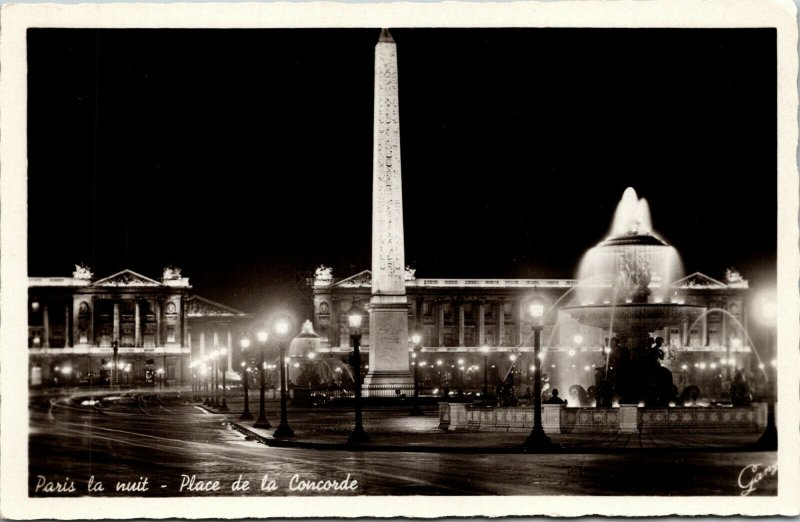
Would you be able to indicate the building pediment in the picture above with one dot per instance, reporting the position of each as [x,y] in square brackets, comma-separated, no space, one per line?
[127,278]
[197,306]
[363,278]
[698,280]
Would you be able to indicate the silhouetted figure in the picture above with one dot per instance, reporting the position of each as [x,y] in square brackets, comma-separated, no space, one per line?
[604,394]
[689,395]
[506,396]
[554,399]
[740,391]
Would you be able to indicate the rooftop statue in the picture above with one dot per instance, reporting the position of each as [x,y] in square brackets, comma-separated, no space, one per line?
[171,272]
[82,272]
[323,275]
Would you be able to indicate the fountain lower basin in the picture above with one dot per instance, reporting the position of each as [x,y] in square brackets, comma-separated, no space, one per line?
[623,419]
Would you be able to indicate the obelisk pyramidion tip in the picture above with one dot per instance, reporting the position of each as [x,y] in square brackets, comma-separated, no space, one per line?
[386,36]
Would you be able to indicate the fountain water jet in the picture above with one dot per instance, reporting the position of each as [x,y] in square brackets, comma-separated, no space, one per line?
[741,327]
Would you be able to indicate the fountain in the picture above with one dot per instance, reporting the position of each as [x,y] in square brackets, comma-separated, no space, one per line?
[632,268]
[308,369]
[625,291]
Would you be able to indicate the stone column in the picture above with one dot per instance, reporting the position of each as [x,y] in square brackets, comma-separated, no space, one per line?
[137,324]
[157,307]
[76,311]
[499,322]
[202,344]
[724,326]
[460,308]
[704,339]
[115,337]
[685,334]
[91,337]
[68,338]
[46,318]
[333,335]
[520,321]
[388,324]
[481,324]
[230,350]
[439,323]
[184,324]
[412,316]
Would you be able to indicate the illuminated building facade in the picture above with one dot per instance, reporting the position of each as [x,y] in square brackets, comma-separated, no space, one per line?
[75,322]
[456,318]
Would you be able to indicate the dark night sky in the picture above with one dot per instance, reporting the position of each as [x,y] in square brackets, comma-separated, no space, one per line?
[245,155]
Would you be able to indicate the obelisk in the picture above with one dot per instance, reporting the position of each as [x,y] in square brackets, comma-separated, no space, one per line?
[388,322]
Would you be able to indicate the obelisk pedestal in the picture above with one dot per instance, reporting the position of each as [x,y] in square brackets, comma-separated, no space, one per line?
[388,323]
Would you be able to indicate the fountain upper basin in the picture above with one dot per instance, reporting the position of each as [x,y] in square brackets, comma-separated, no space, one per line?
[646,316]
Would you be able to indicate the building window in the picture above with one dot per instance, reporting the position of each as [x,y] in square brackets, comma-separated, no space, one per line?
[171,333]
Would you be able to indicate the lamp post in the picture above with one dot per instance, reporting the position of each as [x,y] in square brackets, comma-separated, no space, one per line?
[537,440]
[115,347]
[222,352]
[246,415]
[416,411]
[262,421]
[354,318]
[206,384]
[194,383]
[283,430]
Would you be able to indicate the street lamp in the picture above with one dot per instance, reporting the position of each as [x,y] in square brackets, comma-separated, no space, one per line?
[262,421]
[222,352]
[537,440]
[485,350]
[416,411]
[354,318]
[246,415]
[115,347]
[283,430]
[194,379]
[204,366]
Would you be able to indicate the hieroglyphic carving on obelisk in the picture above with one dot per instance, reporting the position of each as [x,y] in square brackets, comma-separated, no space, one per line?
[388,359]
